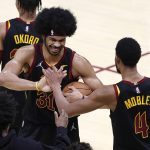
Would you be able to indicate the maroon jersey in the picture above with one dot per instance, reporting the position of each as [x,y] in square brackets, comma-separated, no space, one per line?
[40,105]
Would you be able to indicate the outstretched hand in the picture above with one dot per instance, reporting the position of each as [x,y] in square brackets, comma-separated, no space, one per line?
[74,95]
[54,76]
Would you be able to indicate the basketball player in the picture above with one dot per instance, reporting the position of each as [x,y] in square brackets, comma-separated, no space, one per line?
[15,33]
[8,138]
[55,25]
[128,100]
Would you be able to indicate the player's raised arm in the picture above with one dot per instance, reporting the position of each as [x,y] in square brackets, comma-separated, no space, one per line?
[13,68]
[99,98]
[9,75]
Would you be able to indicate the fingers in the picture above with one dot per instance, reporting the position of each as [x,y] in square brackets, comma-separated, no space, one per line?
[71,88]
[61,69]
[64,114]
[54,74]
[64,73]
[44,71]
[70,91]
[54,69]
[47,71]
[66,94]
[56,115]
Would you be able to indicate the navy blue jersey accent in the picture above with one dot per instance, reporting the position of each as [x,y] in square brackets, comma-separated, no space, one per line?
[131,118]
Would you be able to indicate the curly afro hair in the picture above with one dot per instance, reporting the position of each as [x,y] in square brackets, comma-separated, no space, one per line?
[129,51]
[7,110]
[55,21]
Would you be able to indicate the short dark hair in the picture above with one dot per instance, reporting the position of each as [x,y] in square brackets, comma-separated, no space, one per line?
[7,110]
[129,51]
[80,146]
[30,5]
[57,20]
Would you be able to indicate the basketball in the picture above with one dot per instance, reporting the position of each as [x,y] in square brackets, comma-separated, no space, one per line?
[82,87]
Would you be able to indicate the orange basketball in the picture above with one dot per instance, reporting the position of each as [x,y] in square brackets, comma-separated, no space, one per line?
[82,87]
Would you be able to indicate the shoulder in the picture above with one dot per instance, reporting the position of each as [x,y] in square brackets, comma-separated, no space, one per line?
[82,67]
[80,58]
[28,49]
[5,26]
[25,54]
[80,61]
[2,29]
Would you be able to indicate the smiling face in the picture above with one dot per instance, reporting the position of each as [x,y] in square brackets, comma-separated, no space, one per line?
[55,44]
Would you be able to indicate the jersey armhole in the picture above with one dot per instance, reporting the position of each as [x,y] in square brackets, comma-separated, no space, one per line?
[71,63]
[1,53]
[117,91]
[7,26]
[33,62]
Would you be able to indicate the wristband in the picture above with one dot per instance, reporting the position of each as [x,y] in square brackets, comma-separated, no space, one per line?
[37,86]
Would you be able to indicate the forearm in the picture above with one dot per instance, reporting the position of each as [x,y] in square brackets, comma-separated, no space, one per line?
[61,101]
[13,82]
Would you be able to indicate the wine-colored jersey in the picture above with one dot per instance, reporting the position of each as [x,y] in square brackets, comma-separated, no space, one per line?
[41,106]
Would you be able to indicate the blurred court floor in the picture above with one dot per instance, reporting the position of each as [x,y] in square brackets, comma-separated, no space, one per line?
[101,23]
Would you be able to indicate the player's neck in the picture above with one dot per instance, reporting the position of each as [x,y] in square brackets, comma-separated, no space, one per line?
[51,60]
[131,74]
[28,17]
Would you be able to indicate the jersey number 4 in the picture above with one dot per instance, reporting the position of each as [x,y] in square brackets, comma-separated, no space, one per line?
[141,126]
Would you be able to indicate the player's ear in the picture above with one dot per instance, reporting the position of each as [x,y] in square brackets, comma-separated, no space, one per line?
[17,4]
[117,60]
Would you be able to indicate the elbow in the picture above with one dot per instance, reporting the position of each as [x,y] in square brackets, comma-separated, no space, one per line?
[4,78]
